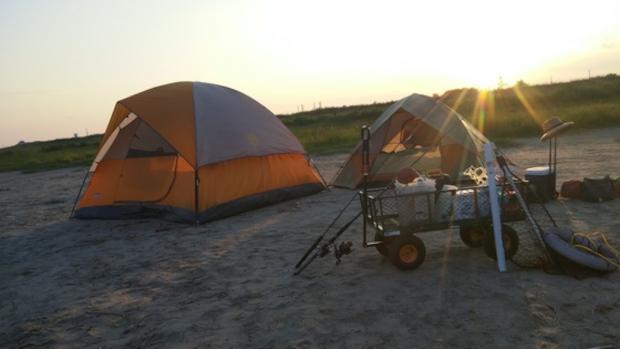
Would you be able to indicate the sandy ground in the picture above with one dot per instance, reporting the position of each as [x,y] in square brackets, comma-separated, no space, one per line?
[152,283]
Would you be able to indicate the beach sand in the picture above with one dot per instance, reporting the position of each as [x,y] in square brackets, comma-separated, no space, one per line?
[229,283]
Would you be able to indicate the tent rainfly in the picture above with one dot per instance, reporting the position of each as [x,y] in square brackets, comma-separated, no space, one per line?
[418,132]
[194,152]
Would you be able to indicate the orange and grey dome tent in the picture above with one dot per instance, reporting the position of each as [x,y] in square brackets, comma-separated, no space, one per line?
[416,131]
[194,152]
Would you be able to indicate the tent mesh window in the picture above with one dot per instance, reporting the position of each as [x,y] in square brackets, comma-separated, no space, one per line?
[147,143]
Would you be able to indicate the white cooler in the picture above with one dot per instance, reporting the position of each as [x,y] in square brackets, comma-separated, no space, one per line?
[542,181]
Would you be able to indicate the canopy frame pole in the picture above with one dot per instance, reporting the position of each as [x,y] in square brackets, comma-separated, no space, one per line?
[553,162]
[365,161]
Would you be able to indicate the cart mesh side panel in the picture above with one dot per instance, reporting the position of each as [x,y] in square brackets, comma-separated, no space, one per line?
[472,203]
[393,209]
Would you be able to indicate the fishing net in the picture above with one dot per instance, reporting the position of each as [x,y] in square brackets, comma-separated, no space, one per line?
[530,254]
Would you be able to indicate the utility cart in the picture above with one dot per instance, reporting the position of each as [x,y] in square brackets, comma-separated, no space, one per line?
[396,214]
[397,217]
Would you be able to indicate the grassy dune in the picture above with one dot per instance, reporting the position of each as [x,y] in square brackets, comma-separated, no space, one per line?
[332,130]
[501,114]
[590,103]
[43,155]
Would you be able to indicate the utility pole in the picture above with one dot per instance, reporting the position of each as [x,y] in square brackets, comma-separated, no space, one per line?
[500,83]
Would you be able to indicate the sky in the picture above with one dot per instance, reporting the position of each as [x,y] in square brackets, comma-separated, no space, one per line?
[64,64]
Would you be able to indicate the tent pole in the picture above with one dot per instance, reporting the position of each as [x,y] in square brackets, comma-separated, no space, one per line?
[78,194]
[313,165]
[196,184]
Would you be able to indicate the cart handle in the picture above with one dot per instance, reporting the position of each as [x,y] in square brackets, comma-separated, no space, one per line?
[365,147]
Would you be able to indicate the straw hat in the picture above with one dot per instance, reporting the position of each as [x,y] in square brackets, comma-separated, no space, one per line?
[554,126]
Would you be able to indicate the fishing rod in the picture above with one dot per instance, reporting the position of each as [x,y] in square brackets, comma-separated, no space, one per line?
[318,240]
[343,249]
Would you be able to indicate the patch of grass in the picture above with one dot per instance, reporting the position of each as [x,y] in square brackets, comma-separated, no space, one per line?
[332,130]
[45,155]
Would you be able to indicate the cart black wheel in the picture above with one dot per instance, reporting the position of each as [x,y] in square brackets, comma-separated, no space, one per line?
[383,247]
[407,252]
[472,236]
[510,238]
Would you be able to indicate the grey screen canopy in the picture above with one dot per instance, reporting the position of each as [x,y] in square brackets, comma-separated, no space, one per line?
[230,125]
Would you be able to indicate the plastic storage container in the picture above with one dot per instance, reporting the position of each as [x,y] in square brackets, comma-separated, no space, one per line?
[413,209]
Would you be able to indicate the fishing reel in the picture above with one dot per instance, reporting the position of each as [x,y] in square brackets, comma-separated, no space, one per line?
[345,248]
